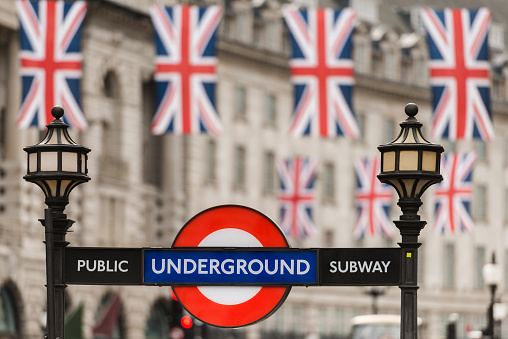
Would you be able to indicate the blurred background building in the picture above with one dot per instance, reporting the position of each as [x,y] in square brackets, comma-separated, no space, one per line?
[145,187]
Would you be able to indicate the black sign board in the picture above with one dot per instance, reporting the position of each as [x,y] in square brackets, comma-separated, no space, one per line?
[335,266]
[360,266]
[103,266]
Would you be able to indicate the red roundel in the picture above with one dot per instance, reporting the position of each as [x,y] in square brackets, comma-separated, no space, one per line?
[231,226]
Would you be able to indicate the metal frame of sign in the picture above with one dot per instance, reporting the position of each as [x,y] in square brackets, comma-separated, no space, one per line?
[138,255]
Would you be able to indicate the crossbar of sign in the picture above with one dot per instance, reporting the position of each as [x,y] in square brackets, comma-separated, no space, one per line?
[230,267]
[220,266]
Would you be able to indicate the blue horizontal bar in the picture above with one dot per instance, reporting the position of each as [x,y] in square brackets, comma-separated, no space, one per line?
[174,267]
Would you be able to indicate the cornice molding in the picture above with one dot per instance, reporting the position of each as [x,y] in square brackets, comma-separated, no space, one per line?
[392,87]
[113,12]
[252,53]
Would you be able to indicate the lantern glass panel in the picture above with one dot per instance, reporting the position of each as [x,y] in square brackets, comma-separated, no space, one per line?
[388,161]
[420,186]
[69,162]
[83,163]
[54,139]
[32,162]
[408,184]
[410,137]
[53,185]
[429,160]
[63,186]
[398,187]
[491,274]
[408,161]
[49,161]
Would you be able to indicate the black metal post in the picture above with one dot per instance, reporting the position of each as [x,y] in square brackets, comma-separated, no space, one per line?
[56,225]
[410,226]
[488,332]
[451,327]
[50,277]
[451,330]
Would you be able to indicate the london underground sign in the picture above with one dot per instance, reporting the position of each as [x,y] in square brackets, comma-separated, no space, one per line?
[231,226]
[231,266]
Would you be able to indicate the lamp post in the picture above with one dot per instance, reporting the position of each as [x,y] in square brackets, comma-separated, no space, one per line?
[56,164]
[492,278]
[375,293]
[410,164]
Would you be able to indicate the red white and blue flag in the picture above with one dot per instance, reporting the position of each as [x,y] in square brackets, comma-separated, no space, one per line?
[296,196]
[322,72]
[373,201]
[459,72]
[51,61]
[453,195]
[185,69]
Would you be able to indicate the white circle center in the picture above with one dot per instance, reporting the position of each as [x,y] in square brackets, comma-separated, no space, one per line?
[229,295]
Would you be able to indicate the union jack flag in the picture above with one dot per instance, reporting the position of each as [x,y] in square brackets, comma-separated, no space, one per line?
[453,194]
[373,200]
[296,196]
[322,72]
[50,57]
[459,72]
[185,69]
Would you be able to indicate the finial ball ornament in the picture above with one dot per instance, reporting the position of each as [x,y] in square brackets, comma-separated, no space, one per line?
[57,112]
[411,109]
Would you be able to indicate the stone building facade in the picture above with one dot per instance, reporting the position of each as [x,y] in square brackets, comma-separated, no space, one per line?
[145,187]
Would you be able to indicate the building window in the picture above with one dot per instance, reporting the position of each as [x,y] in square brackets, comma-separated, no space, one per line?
[270,33]
[359,56]
[449,145]
[506,270]
[157,324]
[228,23]
[152,144]
[449,266]
[481,149]
[270,103]
[211,160]
[389,131]
[497,89]
[390,64]
[8,315]
[506,151]
[259,32]
[360,118]
[506,208]
[405,71]
[3,132]
[479,262]
[241,26]
[376,64]
[421,70]
[479,203]
[328,182]
[239,170]
[496,36]
[286,38]
[240,96]
[269,172]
